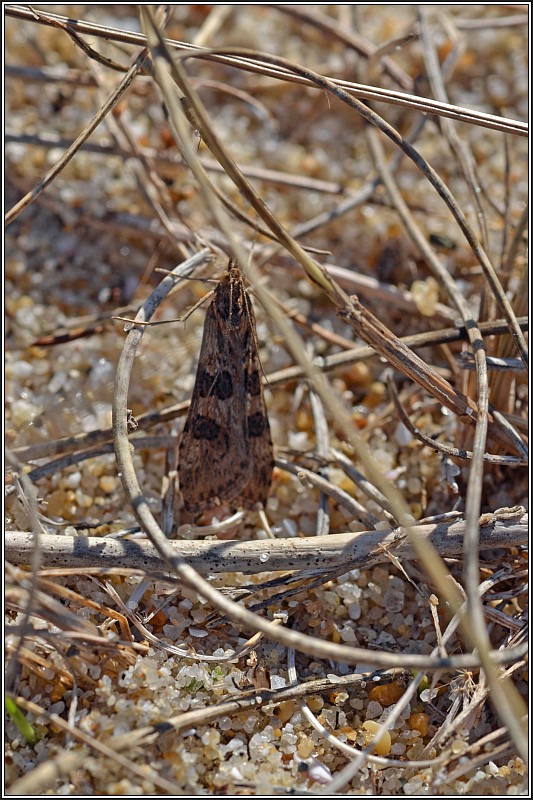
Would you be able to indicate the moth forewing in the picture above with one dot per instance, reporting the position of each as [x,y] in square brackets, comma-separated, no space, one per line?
[225,453]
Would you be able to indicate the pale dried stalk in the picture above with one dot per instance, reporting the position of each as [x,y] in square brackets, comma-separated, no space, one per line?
[507,698]
[257,65]
[362,549]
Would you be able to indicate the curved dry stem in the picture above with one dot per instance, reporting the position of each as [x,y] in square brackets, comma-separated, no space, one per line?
[178,564]
[445,449]
[506,698]
[259,64]
[399,141]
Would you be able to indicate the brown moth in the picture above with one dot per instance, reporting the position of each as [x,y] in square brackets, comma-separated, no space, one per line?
[225,452]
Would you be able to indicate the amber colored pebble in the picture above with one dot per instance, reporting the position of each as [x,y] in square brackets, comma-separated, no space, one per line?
[375,395]
[57,692]
[419,722]
[158,620]
[346,484]
[358,376]
[305,747]
[350,734]
[371,729]
[60,503]
[387,693]
[315,703]
[335,636]
[285,710]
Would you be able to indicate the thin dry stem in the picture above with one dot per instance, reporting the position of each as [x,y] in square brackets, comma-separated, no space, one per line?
[424,105]
[506,528]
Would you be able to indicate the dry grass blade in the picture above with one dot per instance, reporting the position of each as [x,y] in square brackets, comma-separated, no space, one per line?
[454,452]
[506,528]
[410,151]
[159,651]
[423,105]
[102,748]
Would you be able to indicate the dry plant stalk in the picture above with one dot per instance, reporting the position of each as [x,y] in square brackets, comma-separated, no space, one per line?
[165,560]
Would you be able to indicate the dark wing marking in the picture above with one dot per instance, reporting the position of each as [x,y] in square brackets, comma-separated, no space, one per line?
[214,457]
[225,453]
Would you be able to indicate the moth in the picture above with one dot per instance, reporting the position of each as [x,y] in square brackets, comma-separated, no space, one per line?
[225,452]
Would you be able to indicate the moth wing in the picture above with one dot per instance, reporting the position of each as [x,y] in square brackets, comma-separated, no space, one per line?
[257,487]
[215,459]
